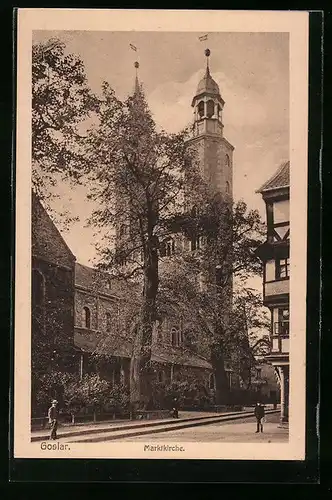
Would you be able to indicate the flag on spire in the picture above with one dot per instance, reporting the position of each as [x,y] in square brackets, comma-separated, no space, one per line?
[203,38]
[133,47]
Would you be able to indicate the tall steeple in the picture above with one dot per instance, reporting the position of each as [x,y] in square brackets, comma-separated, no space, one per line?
[208,105]
[215,153]
[137,85]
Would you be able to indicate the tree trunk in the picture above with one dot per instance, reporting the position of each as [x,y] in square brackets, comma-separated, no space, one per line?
[222,386]
[140,370]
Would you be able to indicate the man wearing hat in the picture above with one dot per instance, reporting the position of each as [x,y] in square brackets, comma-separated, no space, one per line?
[53,418]
[259,414]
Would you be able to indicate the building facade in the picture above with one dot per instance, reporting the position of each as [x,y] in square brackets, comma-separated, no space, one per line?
[104,320]
[265,383]
[275,255]
[53,285]
[52,301]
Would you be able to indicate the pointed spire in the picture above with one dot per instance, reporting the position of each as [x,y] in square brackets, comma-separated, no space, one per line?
[207,53]
[137,85]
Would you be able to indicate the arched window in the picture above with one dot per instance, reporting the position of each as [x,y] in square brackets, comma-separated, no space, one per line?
[200,109]
[170,247]
[212,382]
[86,317]
[228,188]
[227,161]
[219,111]
[159,338]
[195,242]
[210,108]
[194,211]
[38,288]
[160,376]
[174,336]
[167,248]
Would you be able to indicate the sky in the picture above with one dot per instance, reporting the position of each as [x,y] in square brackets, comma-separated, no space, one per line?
[251,69]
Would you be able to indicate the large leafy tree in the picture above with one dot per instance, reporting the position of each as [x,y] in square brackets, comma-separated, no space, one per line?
[137,176]
[62,104]
[199,285]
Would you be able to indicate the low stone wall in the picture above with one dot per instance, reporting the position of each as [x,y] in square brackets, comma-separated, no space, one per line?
[40,423]
[79,419]
[153,414]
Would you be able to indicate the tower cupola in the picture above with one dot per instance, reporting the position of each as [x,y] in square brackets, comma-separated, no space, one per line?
[208,105]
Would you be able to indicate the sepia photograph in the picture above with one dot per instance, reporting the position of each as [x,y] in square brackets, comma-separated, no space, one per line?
[160,192]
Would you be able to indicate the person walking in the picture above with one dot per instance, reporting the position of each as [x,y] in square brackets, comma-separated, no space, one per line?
[53,418]
[175,408]
[259,414]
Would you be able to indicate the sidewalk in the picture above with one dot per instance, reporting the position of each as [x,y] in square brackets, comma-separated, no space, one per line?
[137,426]
[78,429]
[234,432]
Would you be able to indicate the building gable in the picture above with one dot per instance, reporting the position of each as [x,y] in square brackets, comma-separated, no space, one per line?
[280,179]
[47,242]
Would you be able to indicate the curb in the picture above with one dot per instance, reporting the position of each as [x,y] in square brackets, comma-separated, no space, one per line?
[184,425]
[181,424]
[173,421]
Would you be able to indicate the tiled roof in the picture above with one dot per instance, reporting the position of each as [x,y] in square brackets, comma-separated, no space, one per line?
[93,280]
[47,241]
[122,347]
[279,180]
[170,354]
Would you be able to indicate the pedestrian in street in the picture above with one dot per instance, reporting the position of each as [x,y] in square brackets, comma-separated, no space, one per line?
[53,418]
[175,408]
[259,414]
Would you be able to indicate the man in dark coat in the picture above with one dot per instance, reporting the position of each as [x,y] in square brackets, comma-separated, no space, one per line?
[53,418]
[175,408]
[259,414]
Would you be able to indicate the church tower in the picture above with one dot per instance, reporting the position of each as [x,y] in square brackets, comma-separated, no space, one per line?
[215,153]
